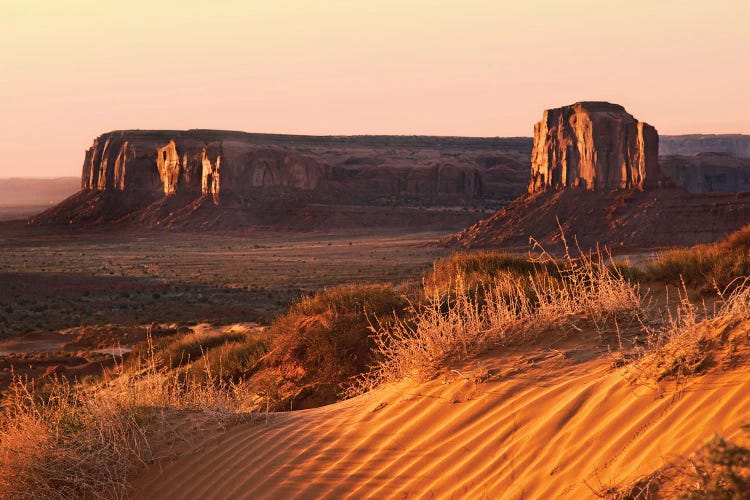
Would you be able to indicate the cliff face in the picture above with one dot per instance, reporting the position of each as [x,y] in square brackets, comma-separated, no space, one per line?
[236,168]
[708,172]
[594,146]
[165,177]
[160,162]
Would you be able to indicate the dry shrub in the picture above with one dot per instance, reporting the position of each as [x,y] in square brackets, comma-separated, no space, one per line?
[63,440]
[674,350]
[692,339]
[591,286]
[644,488]
[323,340]
[67,444]
[476,270]
[580,289]
[718,470]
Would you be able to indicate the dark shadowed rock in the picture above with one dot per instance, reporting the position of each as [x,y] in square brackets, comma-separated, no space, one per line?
[688,145]
[708,172]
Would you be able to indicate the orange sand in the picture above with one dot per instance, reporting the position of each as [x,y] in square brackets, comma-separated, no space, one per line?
[546,423]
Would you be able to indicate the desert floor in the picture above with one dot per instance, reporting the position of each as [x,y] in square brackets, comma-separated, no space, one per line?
[65,294]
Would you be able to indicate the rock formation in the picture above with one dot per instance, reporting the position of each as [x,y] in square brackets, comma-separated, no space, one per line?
[153,175]
[214,163]
[595,146]
[613,159]
[687,145]
[708,172]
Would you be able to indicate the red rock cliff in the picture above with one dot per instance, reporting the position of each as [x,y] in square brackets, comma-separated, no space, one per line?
[234,168]
[171,162]
[593,145]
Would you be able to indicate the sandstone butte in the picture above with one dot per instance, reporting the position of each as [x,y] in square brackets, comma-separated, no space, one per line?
[596,175]
[593,145]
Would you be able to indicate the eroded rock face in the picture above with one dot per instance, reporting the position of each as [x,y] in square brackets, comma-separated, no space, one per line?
[708,172]
[171,163]
[210,175]
[234,168]
[594,146]
[222,179]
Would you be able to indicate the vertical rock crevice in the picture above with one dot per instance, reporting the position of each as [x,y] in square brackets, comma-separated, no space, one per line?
[211,177]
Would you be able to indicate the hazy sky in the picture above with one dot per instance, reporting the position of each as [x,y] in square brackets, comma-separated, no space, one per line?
[72,69]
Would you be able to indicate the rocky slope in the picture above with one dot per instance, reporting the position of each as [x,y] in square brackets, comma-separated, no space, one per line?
[628,219]
[167,177]
[593,145]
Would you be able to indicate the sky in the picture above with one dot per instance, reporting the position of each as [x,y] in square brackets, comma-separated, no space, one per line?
[73,69]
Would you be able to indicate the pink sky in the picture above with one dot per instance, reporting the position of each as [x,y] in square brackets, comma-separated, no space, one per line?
[72,69]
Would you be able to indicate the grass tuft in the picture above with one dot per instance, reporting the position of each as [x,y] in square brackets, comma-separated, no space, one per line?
[512,307]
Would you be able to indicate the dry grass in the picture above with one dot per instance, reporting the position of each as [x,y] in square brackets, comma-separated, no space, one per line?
[180,350]
[476,270]
[675,349]
[581,289]
[228,361]
[693,338]
[710,267]
[64,440]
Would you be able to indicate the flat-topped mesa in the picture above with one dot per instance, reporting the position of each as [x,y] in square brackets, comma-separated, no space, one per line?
[164,162]
[243,170]
[596,146]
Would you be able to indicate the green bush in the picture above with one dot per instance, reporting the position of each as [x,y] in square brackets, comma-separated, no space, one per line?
[180,350]
[230,360]
[324,340]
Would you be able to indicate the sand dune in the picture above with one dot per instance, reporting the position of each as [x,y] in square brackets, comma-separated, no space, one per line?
[535,422]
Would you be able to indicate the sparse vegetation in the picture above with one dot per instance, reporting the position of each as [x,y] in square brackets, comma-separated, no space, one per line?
[477,270]
[708,267]
[85,439]
[718,470]
[513,307]
[228,361]
[693,339]
[180,350]
[65,440]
